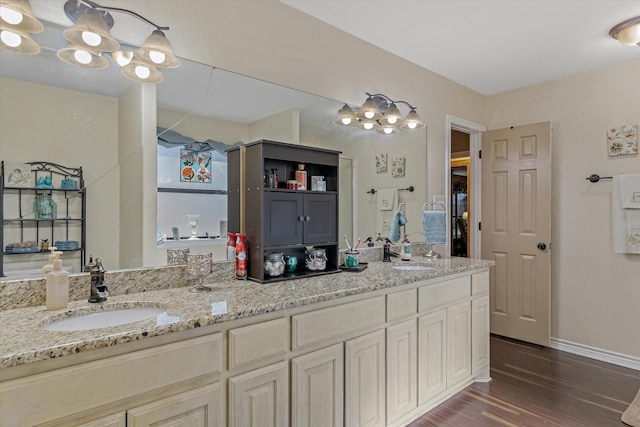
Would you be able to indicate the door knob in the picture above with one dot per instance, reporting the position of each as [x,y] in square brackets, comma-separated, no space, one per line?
[542,246]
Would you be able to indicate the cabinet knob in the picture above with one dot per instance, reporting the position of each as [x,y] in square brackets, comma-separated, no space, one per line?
[301,218]
[307,218]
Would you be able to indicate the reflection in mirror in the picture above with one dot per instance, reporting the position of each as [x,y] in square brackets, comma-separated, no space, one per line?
[100,120]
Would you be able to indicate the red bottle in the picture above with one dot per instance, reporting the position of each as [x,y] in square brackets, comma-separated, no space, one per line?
[242,257]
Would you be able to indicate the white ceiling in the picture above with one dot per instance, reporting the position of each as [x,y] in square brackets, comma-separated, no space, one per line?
[489,46]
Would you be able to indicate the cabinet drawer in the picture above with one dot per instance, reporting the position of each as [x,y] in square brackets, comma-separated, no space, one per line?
[479,283]
[73,390]
[258,342]
[433,296]
[401,305]
[339,322]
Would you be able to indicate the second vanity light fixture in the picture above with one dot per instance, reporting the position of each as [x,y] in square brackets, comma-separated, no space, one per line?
[89,39]
[380,113]
[627,32]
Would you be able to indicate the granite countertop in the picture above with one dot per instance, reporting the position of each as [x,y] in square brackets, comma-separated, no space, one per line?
[22,340]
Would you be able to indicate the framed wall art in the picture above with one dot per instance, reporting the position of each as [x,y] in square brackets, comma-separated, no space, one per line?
[623,141]
[195,166]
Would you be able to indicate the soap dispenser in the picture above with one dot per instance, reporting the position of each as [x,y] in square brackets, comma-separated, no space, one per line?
[57,287]
[53,255]
[405,254]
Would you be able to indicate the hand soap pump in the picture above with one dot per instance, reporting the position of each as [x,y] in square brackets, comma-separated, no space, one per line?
[405,254]
[57,287]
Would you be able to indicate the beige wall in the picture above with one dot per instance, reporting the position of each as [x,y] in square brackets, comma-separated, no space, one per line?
[73,129]
[595,293]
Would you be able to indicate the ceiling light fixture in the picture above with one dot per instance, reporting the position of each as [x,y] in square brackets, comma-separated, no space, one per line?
[380,113]
[17,23]
[89,38]
[627,32]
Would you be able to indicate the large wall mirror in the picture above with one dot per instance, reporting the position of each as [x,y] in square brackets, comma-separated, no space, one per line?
[55,112]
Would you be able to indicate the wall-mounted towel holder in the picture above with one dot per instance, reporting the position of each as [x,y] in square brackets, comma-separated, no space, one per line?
[434,204]
[431,254]
[595,177]
[409,189]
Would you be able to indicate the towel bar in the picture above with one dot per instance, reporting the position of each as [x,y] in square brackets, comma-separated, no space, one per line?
[595,177]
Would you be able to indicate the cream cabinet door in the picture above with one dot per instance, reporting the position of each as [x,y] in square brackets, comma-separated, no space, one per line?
[364,400]
[458,342]
[432,355]
[479,333]
[401,369]
[260,398]
[317,388]
[201,407]
[115,420]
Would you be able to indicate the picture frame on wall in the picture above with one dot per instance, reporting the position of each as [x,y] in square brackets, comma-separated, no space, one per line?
[195,166]
[381,163]
[398,166]
[622,141]
[18,175]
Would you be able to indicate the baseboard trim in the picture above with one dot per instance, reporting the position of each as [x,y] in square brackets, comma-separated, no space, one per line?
[596,353]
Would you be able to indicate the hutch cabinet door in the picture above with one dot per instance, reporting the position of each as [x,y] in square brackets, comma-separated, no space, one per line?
[320,214]
[282,219]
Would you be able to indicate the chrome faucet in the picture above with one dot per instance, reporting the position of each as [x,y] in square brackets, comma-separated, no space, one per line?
[99,290]
[387,252]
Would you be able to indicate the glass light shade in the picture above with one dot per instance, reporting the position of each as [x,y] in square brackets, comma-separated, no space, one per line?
[122,57]
[627,32]
[92,22]
[412,121]
[369,110]
[391,115]
[18,15]
[136,70]
[387,129]
[157,50]
[78,56]
[346,116]
[16,41]
[365,124]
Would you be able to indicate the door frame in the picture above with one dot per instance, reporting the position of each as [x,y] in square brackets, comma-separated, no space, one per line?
[475,144]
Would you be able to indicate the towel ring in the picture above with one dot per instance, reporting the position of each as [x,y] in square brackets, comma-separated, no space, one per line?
[433,204]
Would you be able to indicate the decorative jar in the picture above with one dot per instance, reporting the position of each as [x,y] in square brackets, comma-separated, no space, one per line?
[274,264]
[316,259]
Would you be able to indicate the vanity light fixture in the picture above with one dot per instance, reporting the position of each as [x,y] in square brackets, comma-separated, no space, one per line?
[17,23]
[89,39]
[379,113]
[627,32]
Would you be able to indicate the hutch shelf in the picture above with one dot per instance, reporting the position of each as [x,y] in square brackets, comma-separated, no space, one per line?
[43,203]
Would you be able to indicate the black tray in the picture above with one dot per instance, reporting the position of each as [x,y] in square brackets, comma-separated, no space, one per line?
[359,268]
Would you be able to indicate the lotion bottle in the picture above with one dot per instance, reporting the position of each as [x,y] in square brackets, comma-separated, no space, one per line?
[57,287]
[405,254]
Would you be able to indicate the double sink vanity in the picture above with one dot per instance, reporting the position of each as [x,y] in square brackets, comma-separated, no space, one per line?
[379,347]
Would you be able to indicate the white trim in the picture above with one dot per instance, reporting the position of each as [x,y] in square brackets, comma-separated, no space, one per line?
[475,142]
[602,355]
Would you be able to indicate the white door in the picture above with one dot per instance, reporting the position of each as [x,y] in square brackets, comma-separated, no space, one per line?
[516,229]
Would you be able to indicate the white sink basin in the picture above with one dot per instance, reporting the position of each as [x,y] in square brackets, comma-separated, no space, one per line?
[103,319]
[412,267]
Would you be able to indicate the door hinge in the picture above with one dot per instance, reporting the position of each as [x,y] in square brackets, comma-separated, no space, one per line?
[480,226]
[480,154]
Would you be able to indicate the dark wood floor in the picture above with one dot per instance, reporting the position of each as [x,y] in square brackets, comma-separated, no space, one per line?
[538,386]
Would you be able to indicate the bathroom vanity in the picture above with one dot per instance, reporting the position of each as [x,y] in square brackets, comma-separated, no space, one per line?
[376,348]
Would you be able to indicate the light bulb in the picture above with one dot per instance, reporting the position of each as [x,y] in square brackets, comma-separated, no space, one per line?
[142,72]
[157,57]
[92,39]
[369,114]
[388,130]
[10,16]
[411,125]
[392,120]
[346,121]
[368,125]
[82,56]
[10,39]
